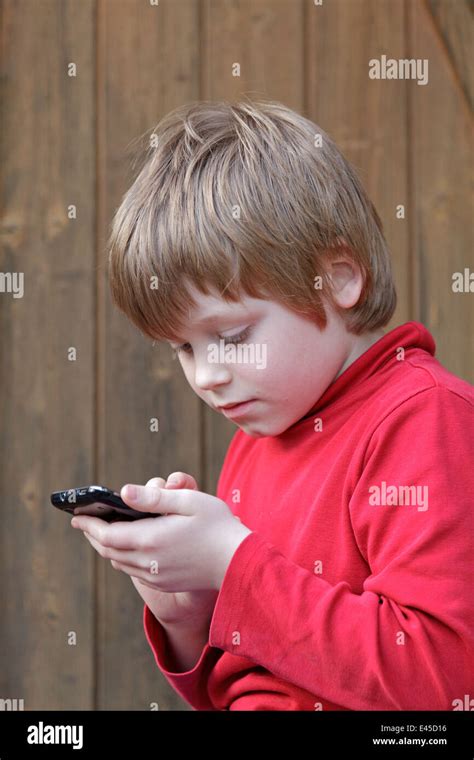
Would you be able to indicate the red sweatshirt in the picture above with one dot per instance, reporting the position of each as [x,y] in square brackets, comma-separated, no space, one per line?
[354,591]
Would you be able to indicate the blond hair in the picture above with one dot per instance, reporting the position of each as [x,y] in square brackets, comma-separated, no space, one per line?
[243,198]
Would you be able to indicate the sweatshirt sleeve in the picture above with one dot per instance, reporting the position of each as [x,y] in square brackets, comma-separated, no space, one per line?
[405,642]
[191,685]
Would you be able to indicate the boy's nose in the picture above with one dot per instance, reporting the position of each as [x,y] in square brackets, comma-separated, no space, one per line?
[207,374]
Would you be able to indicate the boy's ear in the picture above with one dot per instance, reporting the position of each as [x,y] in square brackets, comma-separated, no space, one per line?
[346,280]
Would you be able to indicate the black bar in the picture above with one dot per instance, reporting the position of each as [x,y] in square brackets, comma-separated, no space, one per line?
[151,733]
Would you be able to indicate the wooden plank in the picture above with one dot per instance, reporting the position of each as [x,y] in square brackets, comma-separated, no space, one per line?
[47,401]
[365,117]
[451,23]
[142,74]
[441,156]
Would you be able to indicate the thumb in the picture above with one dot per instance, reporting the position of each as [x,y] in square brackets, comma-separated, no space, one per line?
[151,498]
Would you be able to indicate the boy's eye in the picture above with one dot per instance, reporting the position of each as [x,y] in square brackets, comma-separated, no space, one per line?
[239,338]
[181,349]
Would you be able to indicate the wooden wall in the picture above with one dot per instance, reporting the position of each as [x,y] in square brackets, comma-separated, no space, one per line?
[66,141]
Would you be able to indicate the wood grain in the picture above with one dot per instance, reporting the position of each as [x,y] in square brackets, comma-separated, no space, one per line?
[47,401]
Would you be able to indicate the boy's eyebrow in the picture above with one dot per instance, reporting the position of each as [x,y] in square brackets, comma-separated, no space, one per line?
[211,318]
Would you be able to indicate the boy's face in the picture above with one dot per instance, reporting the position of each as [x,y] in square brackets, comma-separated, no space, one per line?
[284,362]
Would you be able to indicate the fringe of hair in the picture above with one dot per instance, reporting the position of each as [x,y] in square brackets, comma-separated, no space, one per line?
[238,198]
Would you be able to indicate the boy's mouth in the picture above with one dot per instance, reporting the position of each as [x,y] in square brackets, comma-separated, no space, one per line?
[236,409]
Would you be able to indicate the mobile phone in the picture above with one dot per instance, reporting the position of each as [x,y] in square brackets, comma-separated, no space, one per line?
[97,501]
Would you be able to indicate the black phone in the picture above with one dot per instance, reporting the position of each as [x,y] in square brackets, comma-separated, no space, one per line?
[97,501]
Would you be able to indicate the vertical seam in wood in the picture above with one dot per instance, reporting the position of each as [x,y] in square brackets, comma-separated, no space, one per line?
[98,315]
[413,279]
[451,65]
[202,15]
[305,48]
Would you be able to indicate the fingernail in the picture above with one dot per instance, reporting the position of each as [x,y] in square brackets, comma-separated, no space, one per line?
[131,492]
[172,481]
[74,523]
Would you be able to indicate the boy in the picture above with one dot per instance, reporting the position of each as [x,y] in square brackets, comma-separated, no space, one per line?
[346,581]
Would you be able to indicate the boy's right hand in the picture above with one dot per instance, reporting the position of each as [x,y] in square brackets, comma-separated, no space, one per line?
[183,607]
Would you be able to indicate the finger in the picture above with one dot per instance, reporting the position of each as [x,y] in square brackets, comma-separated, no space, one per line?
[107,552]
[143,575]
[87,522]
[118,535]
[181,480]
[159,500]
[157,482]
[143,582]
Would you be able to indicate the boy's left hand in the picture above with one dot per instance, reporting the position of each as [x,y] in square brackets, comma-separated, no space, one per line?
[188,549]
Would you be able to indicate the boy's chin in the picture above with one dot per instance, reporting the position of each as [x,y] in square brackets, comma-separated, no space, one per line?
[259,430]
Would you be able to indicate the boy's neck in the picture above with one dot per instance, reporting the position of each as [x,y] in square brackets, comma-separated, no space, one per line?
[360,345]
